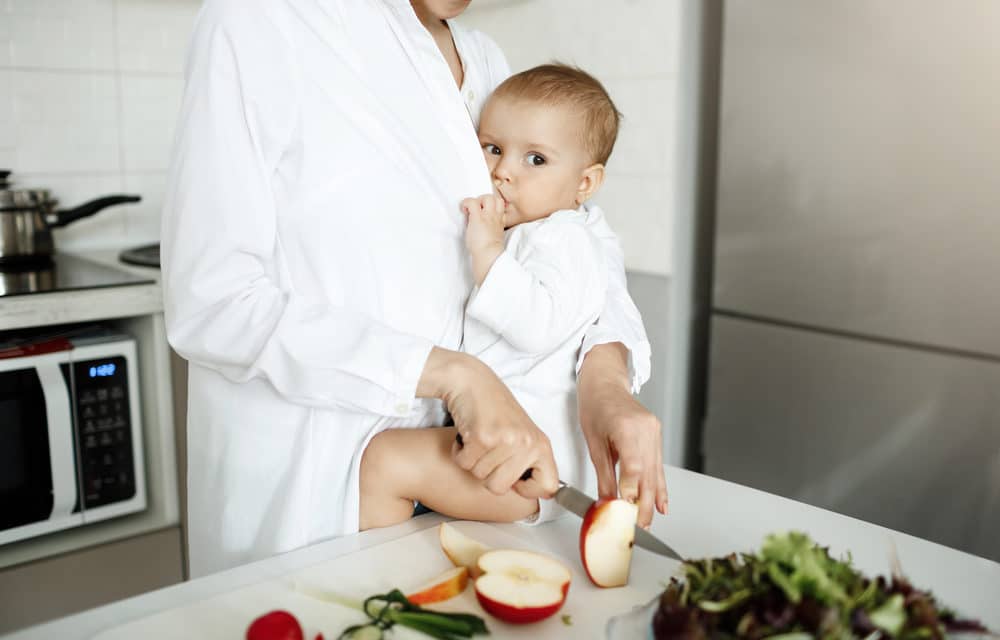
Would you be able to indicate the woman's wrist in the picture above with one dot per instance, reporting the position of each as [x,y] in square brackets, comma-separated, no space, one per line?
[605,368]
[444,372]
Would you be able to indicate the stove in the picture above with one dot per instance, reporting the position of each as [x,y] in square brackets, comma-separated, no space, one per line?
[64,272]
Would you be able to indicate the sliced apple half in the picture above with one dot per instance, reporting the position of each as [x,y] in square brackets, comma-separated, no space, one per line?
[521,586]
[447,585]
[606,539]
[462,550]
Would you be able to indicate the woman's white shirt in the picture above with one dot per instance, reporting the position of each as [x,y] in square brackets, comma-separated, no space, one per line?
[313,254]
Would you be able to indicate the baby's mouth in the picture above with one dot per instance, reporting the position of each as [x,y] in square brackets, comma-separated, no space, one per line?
[506,202]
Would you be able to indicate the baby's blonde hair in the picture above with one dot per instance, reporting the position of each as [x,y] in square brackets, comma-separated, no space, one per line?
[560,84]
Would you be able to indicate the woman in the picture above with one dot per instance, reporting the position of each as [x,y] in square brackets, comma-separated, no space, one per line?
[314,272]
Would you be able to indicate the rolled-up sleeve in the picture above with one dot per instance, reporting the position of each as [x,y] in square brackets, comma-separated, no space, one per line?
[228,301]
[620,320]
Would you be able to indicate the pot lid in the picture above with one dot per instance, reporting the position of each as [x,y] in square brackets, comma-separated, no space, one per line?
[20,198]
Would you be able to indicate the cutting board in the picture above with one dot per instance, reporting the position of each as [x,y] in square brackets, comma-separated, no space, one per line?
[404,563]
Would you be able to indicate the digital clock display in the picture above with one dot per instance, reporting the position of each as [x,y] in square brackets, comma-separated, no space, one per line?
[102,370]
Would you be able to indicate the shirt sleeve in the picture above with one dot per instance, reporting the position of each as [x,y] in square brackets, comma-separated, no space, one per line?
[230,305]
[548,290]
[620,320]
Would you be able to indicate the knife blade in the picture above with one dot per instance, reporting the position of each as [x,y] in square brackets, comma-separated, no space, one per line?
[578,502]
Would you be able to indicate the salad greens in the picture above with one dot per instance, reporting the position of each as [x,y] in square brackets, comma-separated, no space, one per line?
[794,590]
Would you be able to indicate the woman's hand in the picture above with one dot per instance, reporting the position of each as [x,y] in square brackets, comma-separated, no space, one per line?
[620,431]
[484,233]
[499,440]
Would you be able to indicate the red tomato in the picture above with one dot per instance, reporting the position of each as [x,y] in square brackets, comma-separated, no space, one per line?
[276,625]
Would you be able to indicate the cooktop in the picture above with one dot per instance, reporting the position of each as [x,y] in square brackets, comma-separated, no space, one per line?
[64,272]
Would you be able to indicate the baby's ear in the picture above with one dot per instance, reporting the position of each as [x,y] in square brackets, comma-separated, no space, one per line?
[590,181]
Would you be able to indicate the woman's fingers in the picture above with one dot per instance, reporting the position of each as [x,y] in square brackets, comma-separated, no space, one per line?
[499,440]
[489,461]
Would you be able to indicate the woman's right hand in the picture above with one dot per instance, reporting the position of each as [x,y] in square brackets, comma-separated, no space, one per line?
[499,441]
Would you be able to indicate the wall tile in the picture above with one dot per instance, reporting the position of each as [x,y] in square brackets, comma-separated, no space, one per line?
[64,122]
[620,38]
[142,224]
[153,34]
[60,34]
[639,209]
[8,145]
[6,35]
[647,138]
[103,229]
[150,106]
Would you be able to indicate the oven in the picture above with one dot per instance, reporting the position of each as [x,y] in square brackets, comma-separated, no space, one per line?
[70,433]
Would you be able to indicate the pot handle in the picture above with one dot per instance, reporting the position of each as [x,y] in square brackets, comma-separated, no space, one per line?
[63,218]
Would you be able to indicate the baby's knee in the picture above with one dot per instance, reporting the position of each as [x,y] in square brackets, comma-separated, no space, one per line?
[381,465]
[382,502]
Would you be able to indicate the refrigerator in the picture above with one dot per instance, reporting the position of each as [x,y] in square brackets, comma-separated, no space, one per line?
[853,350]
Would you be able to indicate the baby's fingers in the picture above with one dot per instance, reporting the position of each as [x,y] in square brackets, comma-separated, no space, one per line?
[470,204]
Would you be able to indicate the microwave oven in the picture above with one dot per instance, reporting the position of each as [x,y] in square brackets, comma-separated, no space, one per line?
[70,433]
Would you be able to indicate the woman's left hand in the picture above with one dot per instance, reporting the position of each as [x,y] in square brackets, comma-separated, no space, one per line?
[620,431]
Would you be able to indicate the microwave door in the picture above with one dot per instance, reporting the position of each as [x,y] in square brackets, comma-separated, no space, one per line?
[38,488]
[61,445]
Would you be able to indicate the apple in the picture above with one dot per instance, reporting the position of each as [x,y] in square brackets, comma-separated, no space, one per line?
[275,625]
[521,586]
[462,550]
[606,539]
[447,585]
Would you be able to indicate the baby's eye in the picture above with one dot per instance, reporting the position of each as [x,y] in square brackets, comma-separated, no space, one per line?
[535,160]
[491,149]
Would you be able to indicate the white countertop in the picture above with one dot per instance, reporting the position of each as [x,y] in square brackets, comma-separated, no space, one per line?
[85,305]
[708,517]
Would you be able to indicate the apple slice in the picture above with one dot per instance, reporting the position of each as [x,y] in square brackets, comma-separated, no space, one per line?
[606,539]
[447,585]
[462,550]
[521,586]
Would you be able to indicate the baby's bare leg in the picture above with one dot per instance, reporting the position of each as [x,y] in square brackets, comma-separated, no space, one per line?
[403,465]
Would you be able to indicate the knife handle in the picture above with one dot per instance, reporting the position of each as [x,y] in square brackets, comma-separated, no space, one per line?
[458,438]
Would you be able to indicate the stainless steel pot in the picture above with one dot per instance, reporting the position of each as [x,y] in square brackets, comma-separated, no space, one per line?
[27,217]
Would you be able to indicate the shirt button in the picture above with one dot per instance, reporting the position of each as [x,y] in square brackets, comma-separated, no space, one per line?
[402,408]
[470,95]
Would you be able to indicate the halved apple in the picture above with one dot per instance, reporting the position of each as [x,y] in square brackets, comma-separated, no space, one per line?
[462,550]
[606,539]
[447,585]
[521,586]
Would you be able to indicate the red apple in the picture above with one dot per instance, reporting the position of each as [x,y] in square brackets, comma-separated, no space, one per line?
[606,539]
[521,586]
[447,585]
[462,550]
[275,625]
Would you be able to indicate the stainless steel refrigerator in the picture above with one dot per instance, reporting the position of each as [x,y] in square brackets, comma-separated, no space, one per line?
[854,333]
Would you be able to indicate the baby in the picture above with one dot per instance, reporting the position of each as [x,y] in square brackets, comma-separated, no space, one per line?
[540,283]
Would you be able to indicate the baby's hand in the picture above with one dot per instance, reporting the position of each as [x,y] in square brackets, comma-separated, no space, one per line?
[484,232]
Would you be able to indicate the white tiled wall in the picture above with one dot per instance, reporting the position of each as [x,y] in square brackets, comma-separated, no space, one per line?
[633,47]
[91,92]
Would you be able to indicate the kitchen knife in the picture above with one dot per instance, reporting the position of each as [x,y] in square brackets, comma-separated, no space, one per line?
[578,502]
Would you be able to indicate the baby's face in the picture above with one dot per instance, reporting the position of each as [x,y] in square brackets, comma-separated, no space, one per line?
[535,155]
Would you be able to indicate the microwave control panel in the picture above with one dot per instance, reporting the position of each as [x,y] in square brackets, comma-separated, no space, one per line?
[103,431]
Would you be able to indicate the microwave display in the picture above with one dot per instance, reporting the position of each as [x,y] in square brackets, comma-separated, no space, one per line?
[103,431]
